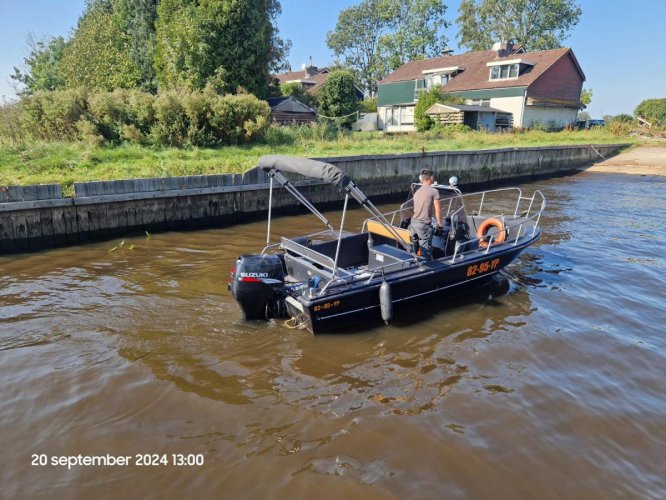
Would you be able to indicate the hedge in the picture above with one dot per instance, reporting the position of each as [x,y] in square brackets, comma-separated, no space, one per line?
[175,118]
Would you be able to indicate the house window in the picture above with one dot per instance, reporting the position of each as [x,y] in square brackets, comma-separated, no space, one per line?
[435,79]
[504,72]
[391,119]
[400,115]
[407,115]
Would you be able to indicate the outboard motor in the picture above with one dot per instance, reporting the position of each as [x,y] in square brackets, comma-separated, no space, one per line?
[257,283]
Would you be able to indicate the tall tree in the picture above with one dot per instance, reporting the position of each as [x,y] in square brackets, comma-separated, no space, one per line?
[536,24]
[225,43]
[376,36]
[137,19]
[41,69]
[337,98]
[416,31]
[98,57]
[356,37]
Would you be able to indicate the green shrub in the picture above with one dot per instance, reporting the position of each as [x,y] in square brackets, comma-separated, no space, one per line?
[88,132]
[198,108]
[131,133]
[10,125]
[122,114]
[368,105]
[174,118]
[142,109]
[52,115]
[439,131]
[297,90]
[286,135]
[277,135]
[619,127]
[622,117]
[322,131]
[549,126]
[426,100]
[170,126]
[653,110]
[108,113]
[458,128]
[239,118]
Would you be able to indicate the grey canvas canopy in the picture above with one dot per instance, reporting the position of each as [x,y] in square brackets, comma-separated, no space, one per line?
[306,167]
[276,165]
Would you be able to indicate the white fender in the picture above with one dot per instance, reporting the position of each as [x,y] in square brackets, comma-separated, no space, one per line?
[386,302]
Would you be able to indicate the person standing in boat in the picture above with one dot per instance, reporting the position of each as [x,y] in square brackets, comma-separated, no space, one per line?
[426,204]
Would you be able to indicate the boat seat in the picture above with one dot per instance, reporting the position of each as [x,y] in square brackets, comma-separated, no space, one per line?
[353,250]
[301,268]
[388,255]
[375,227]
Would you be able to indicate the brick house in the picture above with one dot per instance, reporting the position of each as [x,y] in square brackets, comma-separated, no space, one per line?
[310,77]
[529,88]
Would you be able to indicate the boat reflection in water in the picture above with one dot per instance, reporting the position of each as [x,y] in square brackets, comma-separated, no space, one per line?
[333,279]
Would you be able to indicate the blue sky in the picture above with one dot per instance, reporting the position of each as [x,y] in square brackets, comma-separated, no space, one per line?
[616,42]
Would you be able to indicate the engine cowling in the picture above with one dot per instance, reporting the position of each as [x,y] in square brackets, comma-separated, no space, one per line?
[257,284]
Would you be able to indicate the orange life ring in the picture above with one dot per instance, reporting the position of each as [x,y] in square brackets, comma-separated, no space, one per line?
[483,228]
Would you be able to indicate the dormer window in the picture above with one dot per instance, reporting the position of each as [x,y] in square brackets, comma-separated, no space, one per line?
[504,72]
[432,80]
[507,69]
[439,76]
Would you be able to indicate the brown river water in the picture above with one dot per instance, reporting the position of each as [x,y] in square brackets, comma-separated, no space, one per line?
[556,389]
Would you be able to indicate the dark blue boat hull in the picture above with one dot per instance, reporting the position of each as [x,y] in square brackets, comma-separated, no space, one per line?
[356,303]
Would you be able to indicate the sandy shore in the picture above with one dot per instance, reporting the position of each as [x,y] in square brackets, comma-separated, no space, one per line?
[643,160]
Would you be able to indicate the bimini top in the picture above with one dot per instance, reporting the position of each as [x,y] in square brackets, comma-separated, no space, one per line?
[305,166]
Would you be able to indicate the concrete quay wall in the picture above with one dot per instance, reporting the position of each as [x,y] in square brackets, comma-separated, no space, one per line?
[37,217]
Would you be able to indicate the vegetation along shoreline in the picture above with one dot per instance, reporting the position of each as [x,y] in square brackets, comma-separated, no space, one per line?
[66,163]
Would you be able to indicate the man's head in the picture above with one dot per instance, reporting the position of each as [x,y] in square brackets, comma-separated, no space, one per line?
[426,176]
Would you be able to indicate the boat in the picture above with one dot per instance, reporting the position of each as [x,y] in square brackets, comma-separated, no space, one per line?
[333,279]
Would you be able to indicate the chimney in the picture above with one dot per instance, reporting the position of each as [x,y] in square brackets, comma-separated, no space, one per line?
[309,69]
[503,49]
[447,51]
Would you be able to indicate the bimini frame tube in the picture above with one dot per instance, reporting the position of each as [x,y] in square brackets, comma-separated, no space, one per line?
[270,207]
[342,224]
[298,195]
[359,196]
[273,165]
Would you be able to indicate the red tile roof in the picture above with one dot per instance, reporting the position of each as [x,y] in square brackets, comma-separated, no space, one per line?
[312,77]
[475,74]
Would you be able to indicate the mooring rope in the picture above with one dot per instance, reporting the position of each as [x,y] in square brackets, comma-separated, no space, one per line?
[595,150]
[338,117]
[297,322]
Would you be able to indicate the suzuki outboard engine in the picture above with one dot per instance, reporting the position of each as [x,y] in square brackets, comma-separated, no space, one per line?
[257,283]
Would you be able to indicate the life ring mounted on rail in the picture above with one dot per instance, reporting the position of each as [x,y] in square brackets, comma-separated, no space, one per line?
[482,233]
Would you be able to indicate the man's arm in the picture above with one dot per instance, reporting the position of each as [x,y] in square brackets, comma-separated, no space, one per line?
[438,213]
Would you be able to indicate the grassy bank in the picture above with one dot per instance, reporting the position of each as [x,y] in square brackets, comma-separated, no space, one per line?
[66,163]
